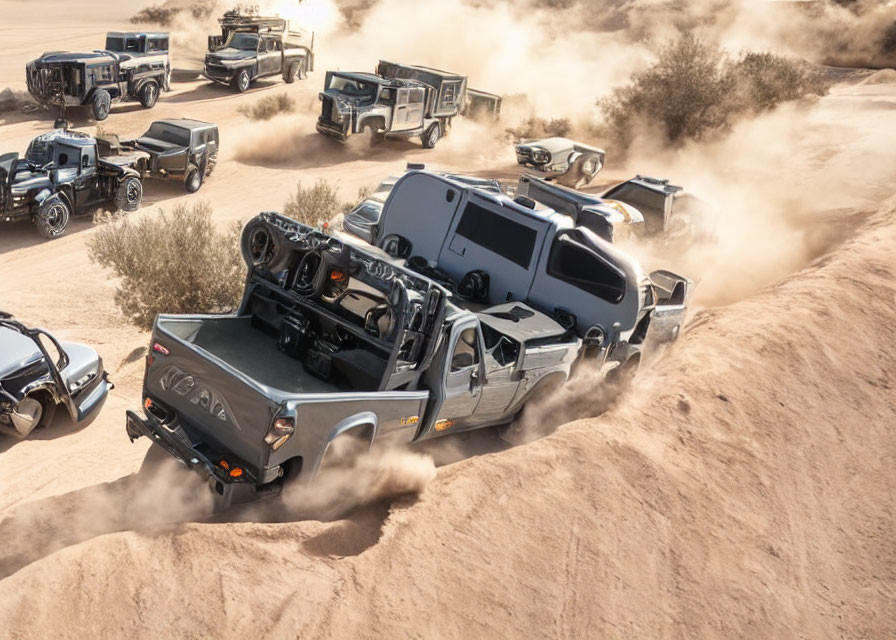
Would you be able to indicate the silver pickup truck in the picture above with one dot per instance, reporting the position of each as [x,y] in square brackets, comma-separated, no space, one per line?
[335,338]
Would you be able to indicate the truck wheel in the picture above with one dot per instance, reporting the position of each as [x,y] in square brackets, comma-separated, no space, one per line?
[581,171]
[149,94]
[241,81]
[33,411]
[375,136]
[291,72]
[101,105]
[52,217]
[432,135]
[193,179]
[129,194]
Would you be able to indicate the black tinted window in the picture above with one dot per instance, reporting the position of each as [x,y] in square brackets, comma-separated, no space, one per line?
[509,239]
[582,267]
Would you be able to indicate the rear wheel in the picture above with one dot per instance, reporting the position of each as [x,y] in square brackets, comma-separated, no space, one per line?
[241,81]
[210,163]
[33,411]
[52,217]
[101,104]
[432,135]
[193,179]
[129,194]
[149,94]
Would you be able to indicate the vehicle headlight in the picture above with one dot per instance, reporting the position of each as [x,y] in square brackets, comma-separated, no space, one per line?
[541,156]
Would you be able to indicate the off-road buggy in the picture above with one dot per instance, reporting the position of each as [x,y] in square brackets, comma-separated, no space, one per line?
[175,149]
[62,175]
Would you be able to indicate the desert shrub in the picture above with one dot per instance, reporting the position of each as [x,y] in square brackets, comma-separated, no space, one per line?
[541,128]
[269,106]
[313,205]
[170,263]
[363,193]
[694,90]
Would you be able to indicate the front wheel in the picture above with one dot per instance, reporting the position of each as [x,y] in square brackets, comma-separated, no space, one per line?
[149,94]
[432,135]
[31,412]
[292,70]
[241,81]
[129,194]
[101,105]
[375,136]
[193,179]
[52,217]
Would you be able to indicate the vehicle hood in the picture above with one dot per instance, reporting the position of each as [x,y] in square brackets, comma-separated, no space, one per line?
[31,181]
[230,54]
[82,361]
[16,352]
[343,102]
[551,145]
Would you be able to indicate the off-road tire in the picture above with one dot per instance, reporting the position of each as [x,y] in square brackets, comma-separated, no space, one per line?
[581,172]
[129,194]
[374,135]
[52,217]
[292,71]
[192,179]
[211,163]
[149,94]
[241,80]
[432,135]
[46,408]
[100,105]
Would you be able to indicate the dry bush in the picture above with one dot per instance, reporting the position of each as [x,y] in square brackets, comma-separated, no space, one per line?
[170,263]
[269,106]
[313,205]
[363,193]
[694,91]
[541,128]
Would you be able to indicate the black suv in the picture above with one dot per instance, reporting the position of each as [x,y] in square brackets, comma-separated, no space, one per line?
[62,175]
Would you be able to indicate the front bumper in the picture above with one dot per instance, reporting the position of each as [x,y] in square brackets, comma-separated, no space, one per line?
[215,73]
[91,399]
[333,130]
[227,491]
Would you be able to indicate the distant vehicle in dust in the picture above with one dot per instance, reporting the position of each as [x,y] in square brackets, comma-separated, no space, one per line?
[570,163]
[38,373]
[175,149]
[62,175]
[251,47]
[133,67]
[399,101]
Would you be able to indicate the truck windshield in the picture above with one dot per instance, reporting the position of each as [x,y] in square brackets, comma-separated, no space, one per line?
[243,41]
[351,87]
[168,133]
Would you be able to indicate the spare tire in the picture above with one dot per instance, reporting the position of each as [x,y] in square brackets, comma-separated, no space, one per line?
[264,246]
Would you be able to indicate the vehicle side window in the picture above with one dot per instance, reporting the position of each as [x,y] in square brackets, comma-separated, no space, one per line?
[402,96]
[415,96]
[582,267]
[132,45]
[449,94]
[88,157]
[466,351]
[103,73]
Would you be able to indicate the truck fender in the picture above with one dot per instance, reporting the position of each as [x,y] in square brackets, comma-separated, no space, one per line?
[42,195]
[377,121]
[356,423]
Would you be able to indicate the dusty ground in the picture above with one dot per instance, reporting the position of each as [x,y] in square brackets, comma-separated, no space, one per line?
[748,489]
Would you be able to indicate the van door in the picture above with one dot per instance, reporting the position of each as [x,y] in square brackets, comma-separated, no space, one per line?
[400,120]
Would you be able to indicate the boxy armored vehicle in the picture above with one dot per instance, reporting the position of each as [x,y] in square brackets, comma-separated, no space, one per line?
[39,372]
[336,339]
[136,67]
[252,47]
[61,175]
[398,101]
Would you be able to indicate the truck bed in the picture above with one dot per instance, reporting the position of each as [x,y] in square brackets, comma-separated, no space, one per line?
[255,354]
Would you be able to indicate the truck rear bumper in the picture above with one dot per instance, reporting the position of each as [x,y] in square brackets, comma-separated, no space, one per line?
[227,490]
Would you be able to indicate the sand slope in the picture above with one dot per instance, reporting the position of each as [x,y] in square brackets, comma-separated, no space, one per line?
[747,493]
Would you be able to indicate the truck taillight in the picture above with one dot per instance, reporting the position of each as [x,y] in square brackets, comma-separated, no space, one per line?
[280,432]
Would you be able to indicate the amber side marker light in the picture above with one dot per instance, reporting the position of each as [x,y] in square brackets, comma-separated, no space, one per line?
[147,404]
[160,349]
[236,472]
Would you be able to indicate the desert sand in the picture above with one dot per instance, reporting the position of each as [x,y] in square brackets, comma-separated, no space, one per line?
[745,489]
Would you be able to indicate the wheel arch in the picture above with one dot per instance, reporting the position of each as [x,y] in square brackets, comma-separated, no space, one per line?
[365,424]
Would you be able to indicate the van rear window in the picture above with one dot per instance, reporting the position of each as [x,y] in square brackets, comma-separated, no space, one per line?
[503,236]
[574,262]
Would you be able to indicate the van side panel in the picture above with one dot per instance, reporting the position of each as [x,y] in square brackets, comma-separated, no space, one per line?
[413,212]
